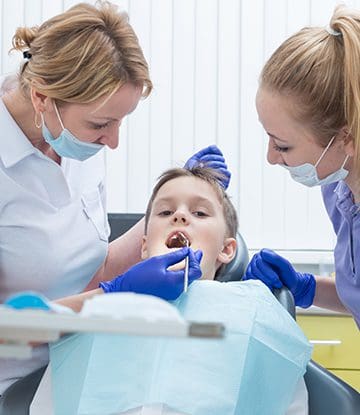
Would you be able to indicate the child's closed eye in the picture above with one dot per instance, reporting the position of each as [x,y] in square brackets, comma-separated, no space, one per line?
[200,213]
[165,213]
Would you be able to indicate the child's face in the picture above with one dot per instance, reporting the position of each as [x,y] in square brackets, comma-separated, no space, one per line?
[189,205]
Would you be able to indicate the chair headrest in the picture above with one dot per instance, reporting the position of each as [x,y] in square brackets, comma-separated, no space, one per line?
[286,299]
[234,270]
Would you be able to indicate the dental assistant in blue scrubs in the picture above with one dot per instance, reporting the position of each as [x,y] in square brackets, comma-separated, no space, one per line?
[83,72]
[309,104]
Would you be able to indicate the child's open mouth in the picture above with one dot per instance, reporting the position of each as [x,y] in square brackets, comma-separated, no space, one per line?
[177,240]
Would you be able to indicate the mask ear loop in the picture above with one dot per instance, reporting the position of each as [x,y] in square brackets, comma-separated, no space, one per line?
[58,115]
[326,149]
[346,159]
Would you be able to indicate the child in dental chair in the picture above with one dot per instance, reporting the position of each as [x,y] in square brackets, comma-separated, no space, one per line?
[192,203]
[263,345]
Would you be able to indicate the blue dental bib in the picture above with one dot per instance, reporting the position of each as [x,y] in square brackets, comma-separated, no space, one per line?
[253,370]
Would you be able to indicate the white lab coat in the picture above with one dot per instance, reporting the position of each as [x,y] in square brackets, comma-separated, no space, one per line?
[53,226]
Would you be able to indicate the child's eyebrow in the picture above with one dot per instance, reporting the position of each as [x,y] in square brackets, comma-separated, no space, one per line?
[203,199]
[163,199]
[195,199]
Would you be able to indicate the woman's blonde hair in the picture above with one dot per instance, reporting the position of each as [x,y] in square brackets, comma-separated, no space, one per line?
[320,68]
[82,54]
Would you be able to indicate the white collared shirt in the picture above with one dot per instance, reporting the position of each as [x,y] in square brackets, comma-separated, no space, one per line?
[53,225]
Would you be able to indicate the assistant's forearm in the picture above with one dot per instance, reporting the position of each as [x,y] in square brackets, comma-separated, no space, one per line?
[326,295]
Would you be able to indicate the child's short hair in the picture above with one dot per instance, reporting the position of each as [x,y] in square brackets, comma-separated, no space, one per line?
[210,176]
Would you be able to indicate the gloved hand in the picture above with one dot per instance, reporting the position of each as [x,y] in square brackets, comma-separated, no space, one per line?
[276,271]
[152,277]
[211,157]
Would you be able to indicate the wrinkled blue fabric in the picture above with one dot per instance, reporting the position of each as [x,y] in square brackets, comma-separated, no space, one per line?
[253,370]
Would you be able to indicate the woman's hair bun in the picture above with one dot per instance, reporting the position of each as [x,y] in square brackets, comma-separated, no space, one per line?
[23,37]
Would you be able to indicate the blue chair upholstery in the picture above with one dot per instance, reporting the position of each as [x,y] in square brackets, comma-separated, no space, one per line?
[17,398]
[328,395]
[122,222]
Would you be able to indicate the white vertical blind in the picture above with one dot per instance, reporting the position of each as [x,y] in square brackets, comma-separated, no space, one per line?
[205,57]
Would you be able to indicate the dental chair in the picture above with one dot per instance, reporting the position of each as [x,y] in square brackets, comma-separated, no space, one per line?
[121,223]
[328,395]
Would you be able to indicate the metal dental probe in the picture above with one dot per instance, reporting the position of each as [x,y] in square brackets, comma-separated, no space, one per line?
[186,273]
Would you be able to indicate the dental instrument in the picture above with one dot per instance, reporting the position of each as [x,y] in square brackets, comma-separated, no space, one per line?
[186,272]
[179,240]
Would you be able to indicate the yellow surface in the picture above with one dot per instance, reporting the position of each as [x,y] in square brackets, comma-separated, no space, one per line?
[342,359]
[352,377]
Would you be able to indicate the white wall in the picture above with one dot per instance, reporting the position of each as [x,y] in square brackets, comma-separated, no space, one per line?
[205,57]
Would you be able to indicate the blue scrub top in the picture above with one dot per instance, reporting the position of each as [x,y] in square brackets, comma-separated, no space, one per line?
[345,217]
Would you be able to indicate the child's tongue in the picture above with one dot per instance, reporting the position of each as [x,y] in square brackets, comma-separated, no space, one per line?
[178,240]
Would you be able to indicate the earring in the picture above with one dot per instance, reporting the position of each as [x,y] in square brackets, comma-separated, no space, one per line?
[37,124]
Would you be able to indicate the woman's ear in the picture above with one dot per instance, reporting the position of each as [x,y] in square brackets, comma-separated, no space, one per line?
[40,102]
[228,251]
[144,253]
[348,141]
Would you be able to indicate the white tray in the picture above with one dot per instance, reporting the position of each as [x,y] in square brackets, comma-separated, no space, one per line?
[19,327]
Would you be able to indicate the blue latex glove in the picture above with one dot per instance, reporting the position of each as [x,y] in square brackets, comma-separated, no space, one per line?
[276,271]
[152,277]
[211,157]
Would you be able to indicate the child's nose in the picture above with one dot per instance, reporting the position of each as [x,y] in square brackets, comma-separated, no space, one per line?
[180,217]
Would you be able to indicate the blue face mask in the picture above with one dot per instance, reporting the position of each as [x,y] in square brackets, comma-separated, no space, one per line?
[306,173]
[67,145]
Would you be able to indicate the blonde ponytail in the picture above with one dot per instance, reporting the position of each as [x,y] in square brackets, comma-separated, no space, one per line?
[347,22]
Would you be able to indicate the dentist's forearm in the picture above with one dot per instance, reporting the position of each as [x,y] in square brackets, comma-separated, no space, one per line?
[123,253]
[76,302]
